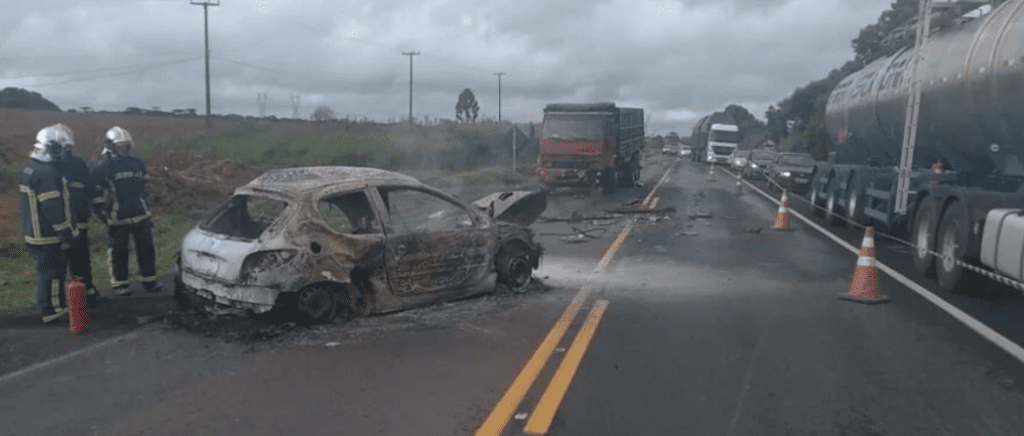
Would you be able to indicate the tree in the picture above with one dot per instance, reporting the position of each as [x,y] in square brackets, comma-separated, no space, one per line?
[24,99]
[467,108]
[322,113]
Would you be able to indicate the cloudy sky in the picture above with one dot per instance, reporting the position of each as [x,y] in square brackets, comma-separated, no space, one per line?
[679,60]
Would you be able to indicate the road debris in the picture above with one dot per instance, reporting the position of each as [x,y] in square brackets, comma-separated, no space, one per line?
[663,210]
[694,216]
[687,234]
[757,230]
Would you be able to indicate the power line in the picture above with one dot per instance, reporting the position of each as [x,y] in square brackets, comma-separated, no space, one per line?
[67,73]
[122,73]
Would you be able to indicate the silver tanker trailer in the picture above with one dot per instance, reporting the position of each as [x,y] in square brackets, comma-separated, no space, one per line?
[967,182]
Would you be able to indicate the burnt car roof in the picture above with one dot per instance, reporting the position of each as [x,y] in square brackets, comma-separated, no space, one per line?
[297,181]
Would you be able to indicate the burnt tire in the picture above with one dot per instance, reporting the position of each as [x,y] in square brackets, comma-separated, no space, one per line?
[951,242]
[923,236]
[315,304]
[515,269]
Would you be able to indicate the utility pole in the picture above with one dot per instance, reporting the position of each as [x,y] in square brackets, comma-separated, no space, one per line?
[410,54]
[499,94]
[295,106]
[206,38]
[913,107]
[261,102]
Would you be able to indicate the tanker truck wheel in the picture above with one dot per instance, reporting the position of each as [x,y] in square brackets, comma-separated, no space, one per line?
[609,180]
[951,242]
[832,206]
[921,236]
[816,201]
[855,200]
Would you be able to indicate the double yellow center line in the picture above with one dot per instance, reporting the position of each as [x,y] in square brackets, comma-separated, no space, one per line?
[544,413]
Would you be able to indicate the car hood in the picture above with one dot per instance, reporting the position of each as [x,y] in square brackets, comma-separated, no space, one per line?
[517,207]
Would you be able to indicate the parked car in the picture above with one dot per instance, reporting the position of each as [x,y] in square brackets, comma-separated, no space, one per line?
[685,150]
[758,163]
[668,149]
[326,242]
[791,171]
[739,160]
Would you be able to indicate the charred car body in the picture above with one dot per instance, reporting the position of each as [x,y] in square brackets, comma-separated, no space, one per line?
[345,241]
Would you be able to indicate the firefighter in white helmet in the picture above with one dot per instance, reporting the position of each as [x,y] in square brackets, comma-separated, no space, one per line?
[46,220]
[81,188]
[120,202]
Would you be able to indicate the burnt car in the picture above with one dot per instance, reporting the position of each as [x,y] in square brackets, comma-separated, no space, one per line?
[326,242]
[791,171]
[758,163]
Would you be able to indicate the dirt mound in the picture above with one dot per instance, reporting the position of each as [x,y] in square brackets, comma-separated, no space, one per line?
[189,181]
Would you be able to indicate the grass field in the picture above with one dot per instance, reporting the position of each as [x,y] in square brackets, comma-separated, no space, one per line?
[17,268]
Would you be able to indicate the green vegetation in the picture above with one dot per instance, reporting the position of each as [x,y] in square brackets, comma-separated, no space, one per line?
[806,105]
[17,268]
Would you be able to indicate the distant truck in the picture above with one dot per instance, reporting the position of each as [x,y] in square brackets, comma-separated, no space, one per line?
[587,144]
[714,140]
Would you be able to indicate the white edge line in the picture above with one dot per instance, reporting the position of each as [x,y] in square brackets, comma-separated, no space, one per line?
[980,328]
[37,366]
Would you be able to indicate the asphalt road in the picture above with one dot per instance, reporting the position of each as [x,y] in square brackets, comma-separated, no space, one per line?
[714,325]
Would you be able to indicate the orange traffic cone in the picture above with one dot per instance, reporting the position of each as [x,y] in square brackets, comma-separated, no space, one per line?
[782,216]
[864,284]
[711,172]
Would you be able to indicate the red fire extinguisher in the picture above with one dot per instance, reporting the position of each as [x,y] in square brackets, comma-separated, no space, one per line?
[78,310]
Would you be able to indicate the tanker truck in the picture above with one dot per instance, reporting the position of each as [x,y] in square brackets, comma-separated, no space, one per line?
[582,145]
[965,190]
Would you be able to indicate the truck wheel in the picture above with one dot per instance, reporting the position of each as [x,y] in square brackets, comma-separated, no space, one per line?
[832,207]
[951,242]
[816,201]
[854,200]
[921,236]
[609,180]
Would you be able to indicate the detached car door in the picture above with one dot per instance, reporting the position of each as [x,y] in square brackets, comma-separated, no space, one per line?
[434,244]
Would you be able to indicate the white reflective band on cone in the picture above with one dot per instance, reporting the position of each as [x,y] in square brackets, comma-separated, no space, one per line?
[868,242]
[865,261]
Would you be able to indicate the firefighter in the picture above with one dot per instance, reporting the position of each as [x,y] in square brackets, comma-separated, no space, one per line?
[46,220]
[120,202]
[82,190]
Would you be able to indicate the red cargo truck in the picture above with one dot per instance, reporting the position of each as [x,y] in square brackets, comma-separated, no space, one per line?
[586,144]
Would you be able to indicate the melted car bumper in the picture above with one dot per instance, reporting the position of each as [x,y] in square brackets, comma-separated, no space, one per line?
[258,299]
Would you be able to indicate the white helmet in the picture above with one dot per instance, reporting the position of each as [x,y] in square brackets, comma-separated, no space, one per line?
[119,141]
[70,140]
[49,145]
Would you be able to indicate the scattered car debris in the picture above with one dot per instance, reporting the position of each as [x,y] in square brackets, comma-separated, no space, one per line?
[332,344]
[521,416]
[628,211]
[694,216]
[756,230]
[687,234]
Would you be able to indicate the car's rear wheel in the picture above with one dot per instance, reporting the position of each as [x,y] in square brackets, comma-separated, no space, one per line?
[315,304]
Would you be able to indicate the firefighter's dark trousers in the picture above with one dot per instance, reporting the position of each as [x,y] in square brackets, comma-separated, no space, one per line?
[117,238]
[78,259]
[51,264]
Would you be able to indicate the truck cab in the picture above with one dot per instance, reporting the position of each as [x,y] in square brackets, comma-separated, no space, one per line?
[722,142]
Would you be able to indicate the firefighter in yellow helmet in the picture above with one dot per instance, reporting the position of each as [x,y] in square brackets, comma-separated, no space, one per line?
[120,202]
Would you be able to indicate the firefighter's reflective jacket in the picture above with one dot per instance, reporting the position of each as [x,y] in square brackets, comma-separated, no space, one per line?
[120,197]
[45,209]
[81,186]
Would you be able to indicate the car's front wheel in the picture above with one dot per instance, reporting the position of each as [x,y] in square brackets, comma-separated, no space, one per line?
[515,269]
